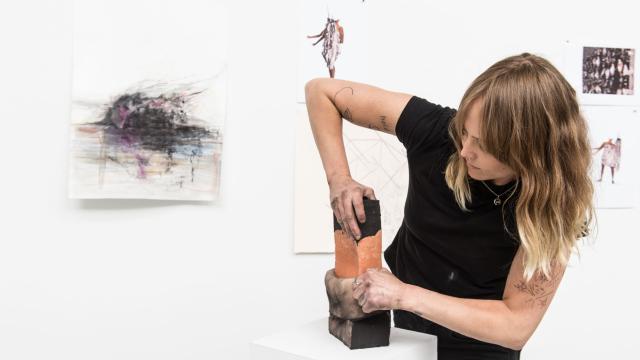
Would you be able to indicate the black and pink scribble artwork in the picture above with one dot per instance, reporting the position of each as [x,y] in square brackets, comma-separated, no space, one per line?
[146,143]
[136,123]
[149,99]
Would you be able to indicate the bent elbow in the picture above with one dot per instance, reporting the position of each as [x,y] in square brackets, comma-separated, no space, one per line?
[517,346]
[311,87]
[517,341]
[513,344]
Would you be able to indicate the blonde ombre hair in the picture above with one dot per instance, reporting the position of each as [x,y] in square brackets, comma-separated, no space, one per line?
[531,122]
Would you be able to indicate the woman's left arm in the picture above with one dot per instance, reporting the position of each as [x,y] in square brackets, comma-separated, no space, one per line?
[509,322]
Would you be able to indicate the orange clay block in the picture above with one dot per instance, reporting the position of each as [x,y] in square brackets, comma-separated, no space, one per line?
[354,259]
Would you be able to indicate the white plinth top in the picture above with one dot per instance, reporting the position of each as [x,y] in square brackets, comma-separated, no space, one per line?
[313,341]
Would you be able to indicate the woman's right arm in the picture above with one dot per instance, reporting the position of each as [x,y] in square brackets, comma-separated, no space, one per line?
[328,102]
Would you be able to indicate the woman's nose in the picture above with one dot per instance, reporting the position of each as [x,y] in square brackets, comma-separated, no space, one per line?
[465,151]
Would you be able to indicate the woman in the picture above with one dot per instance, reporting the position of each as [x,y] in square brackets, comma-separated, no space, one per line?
[499,193]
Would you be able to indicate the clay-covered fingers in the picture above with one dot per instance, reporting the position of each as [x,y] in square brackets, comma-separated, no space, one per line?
[362,300]
[358,206]
[347,203]
[340,294]
[339,210]
[369,194]
[360,294]
[352,205]
[359,287]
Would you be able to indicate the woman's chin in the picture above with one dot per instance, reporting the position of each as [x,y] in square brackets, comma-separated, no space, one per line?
[473,173]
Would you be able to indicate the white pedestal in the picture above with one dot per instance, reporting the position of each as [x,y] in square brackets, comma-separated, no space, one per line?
[312,341]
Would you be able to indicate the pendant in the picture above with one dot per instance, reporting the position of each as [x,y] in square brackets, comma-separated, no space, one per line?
[497,201]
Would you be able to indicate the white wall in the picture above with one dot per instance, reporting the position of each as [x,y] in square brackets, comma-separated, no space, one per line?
[163,280]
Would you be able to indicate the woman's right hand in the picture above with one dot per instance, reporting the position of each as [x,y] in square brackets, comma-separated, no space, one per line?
[328,102]
[346,197]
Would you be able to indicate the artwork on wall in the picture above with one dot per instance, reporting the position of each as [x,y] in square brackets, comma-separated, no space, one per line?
[332,37]
[149,100]
[602,74]
[333,41]
[614,142]
[608,71]
[375,159]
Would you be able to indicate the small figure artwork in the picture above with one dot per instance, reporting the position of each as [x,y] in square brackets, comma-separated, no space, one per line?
[321,41]
[332,36]
[614,178]
[611,153]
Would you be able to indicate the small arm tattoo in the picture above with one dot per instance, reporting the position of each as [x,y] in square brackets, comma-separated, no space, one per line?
[540,289]
[341,90]
[385,126]
[347,114]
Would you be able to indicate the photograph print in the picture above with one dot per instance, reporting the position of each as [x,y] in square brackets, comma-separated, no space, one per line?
[607,71]
[602,74]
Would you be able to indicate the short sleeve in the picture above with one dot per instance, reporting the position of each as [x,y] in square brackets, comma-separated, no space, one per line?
[423,125]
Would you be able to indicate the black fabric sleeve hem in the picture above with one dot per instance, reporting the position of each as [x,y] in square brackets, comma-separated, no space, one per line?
[423,124]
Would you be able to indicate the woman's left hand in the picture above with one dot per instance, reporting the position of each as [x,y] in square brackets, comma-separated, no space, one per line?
[378,289]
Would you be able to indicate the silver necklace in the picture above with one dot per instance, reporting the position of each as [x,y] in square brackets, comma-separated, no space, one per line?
[497,201]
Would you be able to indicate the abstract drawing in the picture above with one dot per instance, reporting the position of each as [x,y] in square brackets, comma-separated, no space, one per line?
[149,100]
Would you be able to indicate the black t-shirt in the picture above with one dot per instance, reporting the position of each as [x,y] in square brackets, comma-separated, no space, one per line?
[441,247]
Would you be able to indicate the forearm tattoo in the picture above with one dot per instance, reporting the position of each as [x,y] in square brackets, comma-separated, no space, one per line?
[539,288]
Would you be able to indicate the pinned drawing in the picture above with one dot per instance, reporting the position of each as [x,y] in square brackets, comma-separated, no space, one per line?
[613,170]
[379,160]
[146,140]
[334,41]
[147,115]
[608,71]
[375,159]
[602,75]
[611,154]
[332,37]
